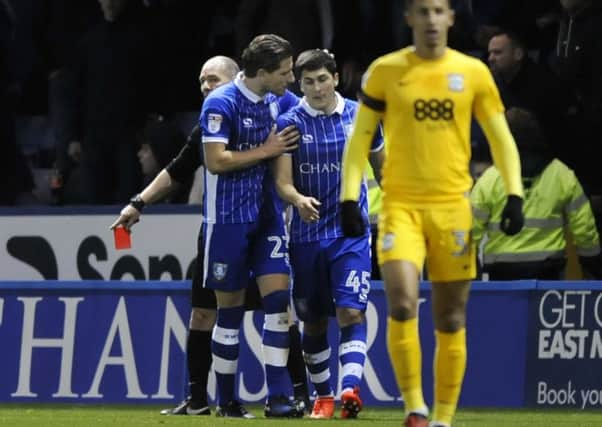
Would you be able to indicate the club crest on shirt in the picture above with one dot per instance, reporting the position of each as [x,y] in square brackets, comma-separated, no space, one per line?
[307,138]
[214,122]
[247,122]
[219,270]
[455,82]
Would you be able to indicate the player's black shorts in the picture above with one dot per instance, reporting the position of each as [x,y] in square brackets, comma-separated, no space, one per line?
[205,297]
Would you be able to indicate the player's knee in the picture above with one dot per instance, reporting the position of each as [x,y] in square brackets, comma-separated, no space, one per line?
[450,322]
[315,327]
[349,316]
[402,310]
[276,302]
[202,319]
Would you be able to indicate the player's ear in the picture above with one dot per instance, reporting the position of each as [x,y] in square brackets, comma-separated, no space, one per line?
[335,78]
[408,18]
[452,17]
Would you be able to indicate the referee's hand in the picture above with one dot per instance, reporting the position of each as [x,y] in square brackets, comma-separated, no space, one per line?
[512,216]
[352,221]
[128,216]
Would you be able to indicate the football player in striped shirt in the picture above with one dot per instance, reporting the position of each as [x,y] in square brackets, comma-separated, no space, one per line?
[331,272]
[236,119]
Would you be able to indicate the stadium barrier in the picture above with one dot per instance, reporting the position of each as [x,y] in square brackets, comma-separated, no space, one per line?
[81,322]
[530,344]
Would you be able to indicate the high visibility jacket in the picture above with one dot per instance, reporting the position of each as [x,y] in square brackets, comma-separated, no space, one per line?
[374,196]
[554,200]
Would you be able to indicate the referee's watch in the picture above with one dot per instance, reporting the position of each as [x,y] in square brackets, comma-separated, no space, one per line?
[137,202]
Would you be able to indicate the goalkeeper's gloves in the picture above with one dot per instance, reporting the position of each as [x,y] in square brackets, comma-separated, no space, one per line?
[352,221]
[512,216]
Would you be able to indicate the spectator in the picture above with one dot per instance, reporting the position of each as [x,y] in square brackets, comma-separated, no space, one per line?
[15,173]
[116,83]
[526,84]
[578,63]
[305,23]
[161,141]
[67,22]
[554,200]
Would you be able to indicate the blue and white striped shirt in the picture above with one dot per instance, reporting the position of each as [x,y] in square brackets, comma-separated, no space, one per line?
[234,115]
[317,165]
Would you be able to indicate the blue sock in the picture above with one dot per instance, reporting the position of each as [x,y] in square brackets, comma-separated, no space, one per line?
[352,354]
[276,343]
[317,357]
[224,346]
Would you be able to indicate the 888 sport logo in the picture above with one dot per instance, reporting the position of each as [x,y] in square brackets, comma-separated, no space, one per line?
[434,109]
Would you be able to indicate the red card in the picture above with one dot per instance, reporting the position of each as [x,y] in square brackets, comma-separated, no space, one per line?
[122,238]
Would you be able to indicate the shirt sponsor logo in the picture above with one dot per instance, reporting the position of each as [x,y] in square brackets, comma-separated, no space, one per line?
[311,168]
[434,109]
[247,122]
[455,82]
[307,139]
[214,122]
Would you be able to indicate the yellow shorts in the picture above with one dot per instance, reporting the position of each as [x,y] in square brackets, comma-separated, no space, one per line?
[441,235]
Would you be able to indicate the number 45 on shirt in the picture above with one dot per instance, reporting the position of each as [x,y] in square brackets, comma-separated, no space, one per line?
[360,285]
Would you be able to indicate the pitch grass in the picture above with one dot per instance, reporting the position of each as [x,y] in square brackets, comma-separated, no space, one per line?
[144,415]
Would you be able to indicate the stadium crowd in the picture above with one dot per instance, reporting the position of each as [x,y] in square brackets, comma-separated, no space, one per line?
[80,81]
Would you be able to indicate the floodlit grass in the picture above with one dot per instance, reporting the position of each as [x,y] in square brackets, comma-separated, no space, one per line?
[143,415]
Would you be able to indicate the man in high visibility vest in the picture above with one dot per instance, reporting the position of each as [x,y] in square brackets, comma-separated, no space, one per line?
[375,197]
[554,199]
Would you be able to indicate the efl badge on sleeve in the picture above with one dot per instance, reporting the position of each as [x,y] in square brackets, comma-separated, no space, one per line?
[219,271]
[214,122]
[455,82]
[348,130]
[274,110]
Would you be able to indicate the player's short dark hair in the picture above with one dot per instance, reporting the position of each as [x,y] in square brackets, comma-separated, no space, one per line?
[265,51]
[409,3]
[314,59]
[515,38]
[526,129]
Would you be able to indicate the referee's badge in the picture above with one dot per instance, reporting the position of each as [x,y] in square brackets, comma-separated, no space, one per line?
[219,271]
[455,82]
[214,122]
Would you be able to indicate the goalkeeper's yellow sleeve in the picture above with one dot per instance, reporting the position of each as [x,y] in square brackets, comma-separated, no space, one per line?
[504,153]
[357,151]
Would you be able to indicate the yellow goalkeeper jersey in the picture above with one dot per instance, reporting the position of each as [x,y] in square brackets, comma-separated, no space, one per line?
[427,108]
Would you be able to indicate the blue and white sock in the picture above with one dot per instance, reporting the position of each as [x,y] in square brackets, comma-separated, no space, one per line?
[276,343]
[352,354]
[316,352]
[224,346]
